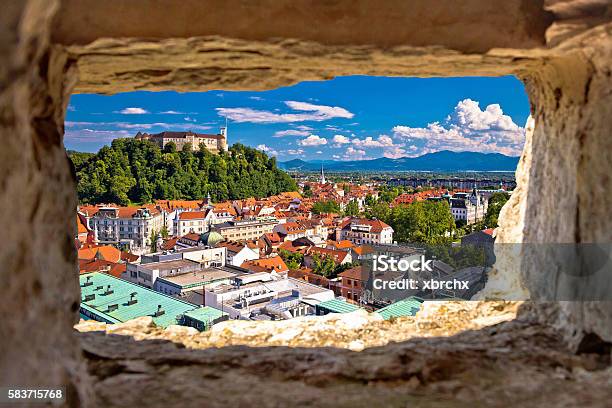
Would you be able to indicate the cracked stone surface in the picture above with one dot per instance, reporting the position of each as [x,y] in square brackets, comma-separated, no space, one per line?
[561,49]
[517,363]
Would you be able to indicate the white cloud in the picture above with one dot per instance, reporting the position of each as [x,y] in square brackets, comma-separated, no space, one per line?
[267,149]
[303,127]
[381,141]
[135,126]
[133,111]
[334,128]
[340,140]
[256,98]
[171,112]
[313,140]
[291,132]
[319,152]
[188,119]
[335,156]
[394,152]
[354,154]
[295,152]
[468,128]
[314,113]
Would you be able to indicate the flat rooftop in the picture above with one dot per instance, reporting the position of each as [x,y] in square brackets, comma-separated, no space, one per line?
[198,278]
[173,264]
[148,300]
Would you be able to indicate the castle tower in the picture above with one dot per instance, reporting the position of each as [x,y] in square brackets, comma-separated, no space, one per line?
[223,145]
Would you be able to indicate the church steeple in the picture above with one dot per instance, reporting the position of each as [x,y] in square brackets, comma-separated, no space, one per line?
[322,175]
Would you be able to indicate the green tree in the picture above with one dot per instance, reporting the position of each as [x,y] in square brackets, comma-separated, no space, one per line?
[293,260]
[153,240]
[323,265]
[422,221]
[496,202]
[322,207]
[307,191]
[369,200]
[352,209]
[136,171]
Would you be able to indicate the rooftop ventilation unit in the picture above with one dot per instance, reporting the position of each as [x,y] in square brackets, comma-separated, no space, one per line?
[159,311]
[109,291]
[88,282]
[99,287]
[133,299]
[112,308]
[88,298]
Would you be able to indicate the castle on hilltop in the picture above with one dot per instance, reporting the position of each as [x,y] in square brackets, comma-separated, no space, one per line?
[214,143]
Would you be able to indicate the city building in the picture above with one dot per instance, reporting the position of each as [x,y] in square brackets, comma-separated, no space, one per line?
[266,296]
[273,264]
[129,227]
[105,298]
[354,281]
[403,308]
[364,231]
[334,306]
[238,252]
[188,222]
[146,274]
[202,318]
[179,285]
[214,143]
[339,257]
[469,208]
[243,230]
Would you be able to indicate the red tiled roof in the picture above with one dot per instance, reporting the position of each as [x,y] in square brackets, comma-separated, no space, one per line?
[117,269]
[489,231]
[376,225]
[358,273]
[233,246]
[337,256]
[266,264]
[81,228]
[191,237]
[128,257]
[105,252]
[170,243]
[192,215]
[273,237]
[363,250]
[94,265]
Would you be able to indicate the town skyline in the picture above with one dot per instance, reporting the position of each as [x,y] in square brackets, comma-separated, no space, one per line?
[345,119]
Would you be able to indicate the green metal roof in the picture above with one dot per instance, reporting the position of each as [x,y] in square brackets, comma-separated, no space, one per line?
[148,300]
[205,314]
[407,307]
[338,306]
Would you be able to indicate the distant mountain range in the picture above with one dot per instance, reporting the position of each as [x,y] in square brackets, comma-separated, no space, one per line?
[439,161]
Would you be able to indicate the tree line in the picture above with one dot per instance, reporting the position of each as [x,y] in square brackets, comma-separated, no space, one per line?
[133,171]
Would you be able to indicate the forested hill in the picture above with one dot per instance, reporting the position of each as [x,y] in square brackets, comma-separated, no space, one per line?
[134,171]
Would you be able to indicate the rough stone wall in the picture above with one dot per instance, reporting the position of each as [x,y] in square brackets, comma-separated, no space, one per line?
[39,288]
[570,177]
[565,67]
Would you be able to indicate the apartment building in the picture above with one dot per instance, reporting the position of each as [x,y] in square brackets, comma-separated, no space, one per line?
[243,230]
[364,231]
[470,208]
[130,227]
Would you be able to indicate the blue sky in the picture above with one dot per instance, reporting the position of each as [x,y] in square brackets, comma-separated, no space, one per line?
[347,118]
